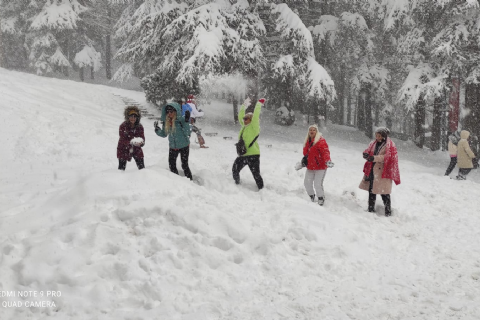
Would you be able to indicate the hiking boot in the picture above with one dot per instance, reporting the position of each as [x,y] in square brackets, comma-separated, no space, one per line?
[321,201]
[312,197]
[388,211]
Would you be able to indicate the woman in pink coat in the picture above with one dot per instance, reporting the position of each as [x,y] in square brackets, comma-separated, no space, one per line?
[380,169]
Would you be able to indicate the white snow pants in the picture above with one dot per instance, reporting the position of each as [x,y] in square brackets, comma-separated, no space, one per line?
[314,178]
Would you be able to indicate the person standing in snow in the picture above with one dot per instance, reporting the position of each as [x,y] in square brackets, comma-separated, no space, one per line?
[176,128]
[465,156]
[315,149]
[132,139]
[452,150]
[194,113]
[250,131]
[380,169]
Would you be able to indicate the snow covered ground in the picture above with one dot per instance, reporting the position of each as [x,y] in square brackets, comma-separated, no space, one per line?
[152,245]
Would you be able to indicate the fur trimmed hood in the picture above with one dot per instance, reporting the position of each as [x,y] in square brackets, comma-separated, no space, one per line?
[132,110]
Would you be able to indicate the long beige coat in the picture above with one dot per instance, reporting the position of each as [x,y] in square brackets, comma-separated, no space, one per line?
[380,185]
[464,153]
[452,149]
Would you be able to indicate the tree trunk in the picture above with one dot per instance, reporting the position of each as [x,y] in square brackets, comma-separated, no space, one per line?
[419,137]
[1,45]
[377,114]
[361,110]
[235,109]
[67,51]
[349,108]
[368,111]
[476,116]
[472,120]
[82,75]
[92,73]
[108,58]
[341,97]
[437,124]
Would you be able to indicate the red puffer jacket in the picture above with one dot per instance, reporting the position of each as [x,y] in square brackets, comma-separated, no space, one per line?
[127,133]
[318,155]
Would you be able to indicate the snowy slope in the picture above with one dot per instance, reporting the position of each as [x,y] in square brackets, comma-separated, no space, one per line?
[152,245]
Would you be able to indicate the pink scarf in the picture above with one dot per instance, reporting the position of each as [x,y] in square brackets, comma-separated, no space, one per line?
[390,161]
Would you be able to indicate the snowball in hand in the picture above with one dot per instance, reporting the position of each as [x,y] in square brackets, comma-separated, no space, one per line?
[136,141]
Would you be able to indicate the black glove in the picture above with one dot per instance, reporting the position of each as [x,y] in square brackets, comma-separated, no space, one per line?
[365,155]
[370,159]
[155,124]
[187,116]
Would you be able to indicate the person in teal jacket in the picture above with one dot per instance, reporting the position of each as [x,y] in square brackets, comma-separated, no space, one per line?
[177,128]
[249,133]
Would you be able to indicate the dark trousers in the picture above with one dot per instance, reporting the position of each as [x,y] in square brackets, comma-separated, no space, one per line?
[122,164]
[372,198]
[451,166]
[462,173]
[253,163]
[172,160]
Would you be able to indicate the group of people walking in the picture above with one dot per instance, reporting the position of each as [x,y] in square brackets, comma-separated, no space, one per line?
[461,154]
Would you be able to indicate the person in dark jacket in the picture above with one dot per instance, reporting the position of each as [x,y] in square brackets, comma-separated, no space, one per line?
[249,133]
[176,127]
[316,150]
[452,150]
[132,139]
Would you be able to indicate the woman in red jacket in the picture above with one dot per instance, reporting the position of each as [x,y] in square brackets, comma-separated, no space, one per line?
[131,140]
[318,160]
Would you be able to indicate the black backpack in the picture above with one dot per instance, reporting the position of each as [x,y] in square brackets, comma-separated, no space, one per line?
[241,147]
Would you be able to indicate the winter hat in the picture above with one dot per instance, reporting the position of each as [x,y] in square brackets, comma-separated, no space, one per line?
[313,126]
[384,132]
[132,110]
[190,98]
[169,108]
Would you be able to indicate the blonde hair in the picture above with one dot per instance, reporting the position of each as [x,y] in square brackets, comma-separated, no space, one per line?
[317,136]
[169,128]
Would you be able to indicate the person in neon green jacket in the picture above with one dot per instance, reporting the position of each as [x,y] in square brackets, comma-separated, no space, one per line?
[249,133]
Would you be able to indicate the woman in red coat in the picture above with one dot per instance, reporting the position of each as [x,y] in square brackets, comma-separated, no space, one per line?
[318,160]
[131,140]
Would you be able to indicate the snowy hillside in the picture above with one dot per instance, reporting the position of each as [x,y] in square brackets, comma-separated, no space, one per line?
[152,245]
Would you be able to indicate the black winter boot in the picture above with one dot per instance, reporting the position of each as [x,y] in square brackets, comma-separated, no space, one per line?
[371,202]
[386,202]
[312,197]
[388,211]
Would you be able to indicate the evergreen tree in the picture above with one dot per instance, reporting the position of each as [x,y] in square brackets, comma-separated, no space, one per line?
[295,77]
[53,26]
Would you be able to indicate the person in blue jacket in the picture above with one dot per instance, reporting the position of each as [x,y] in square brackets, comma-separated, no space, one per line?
[177,128]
